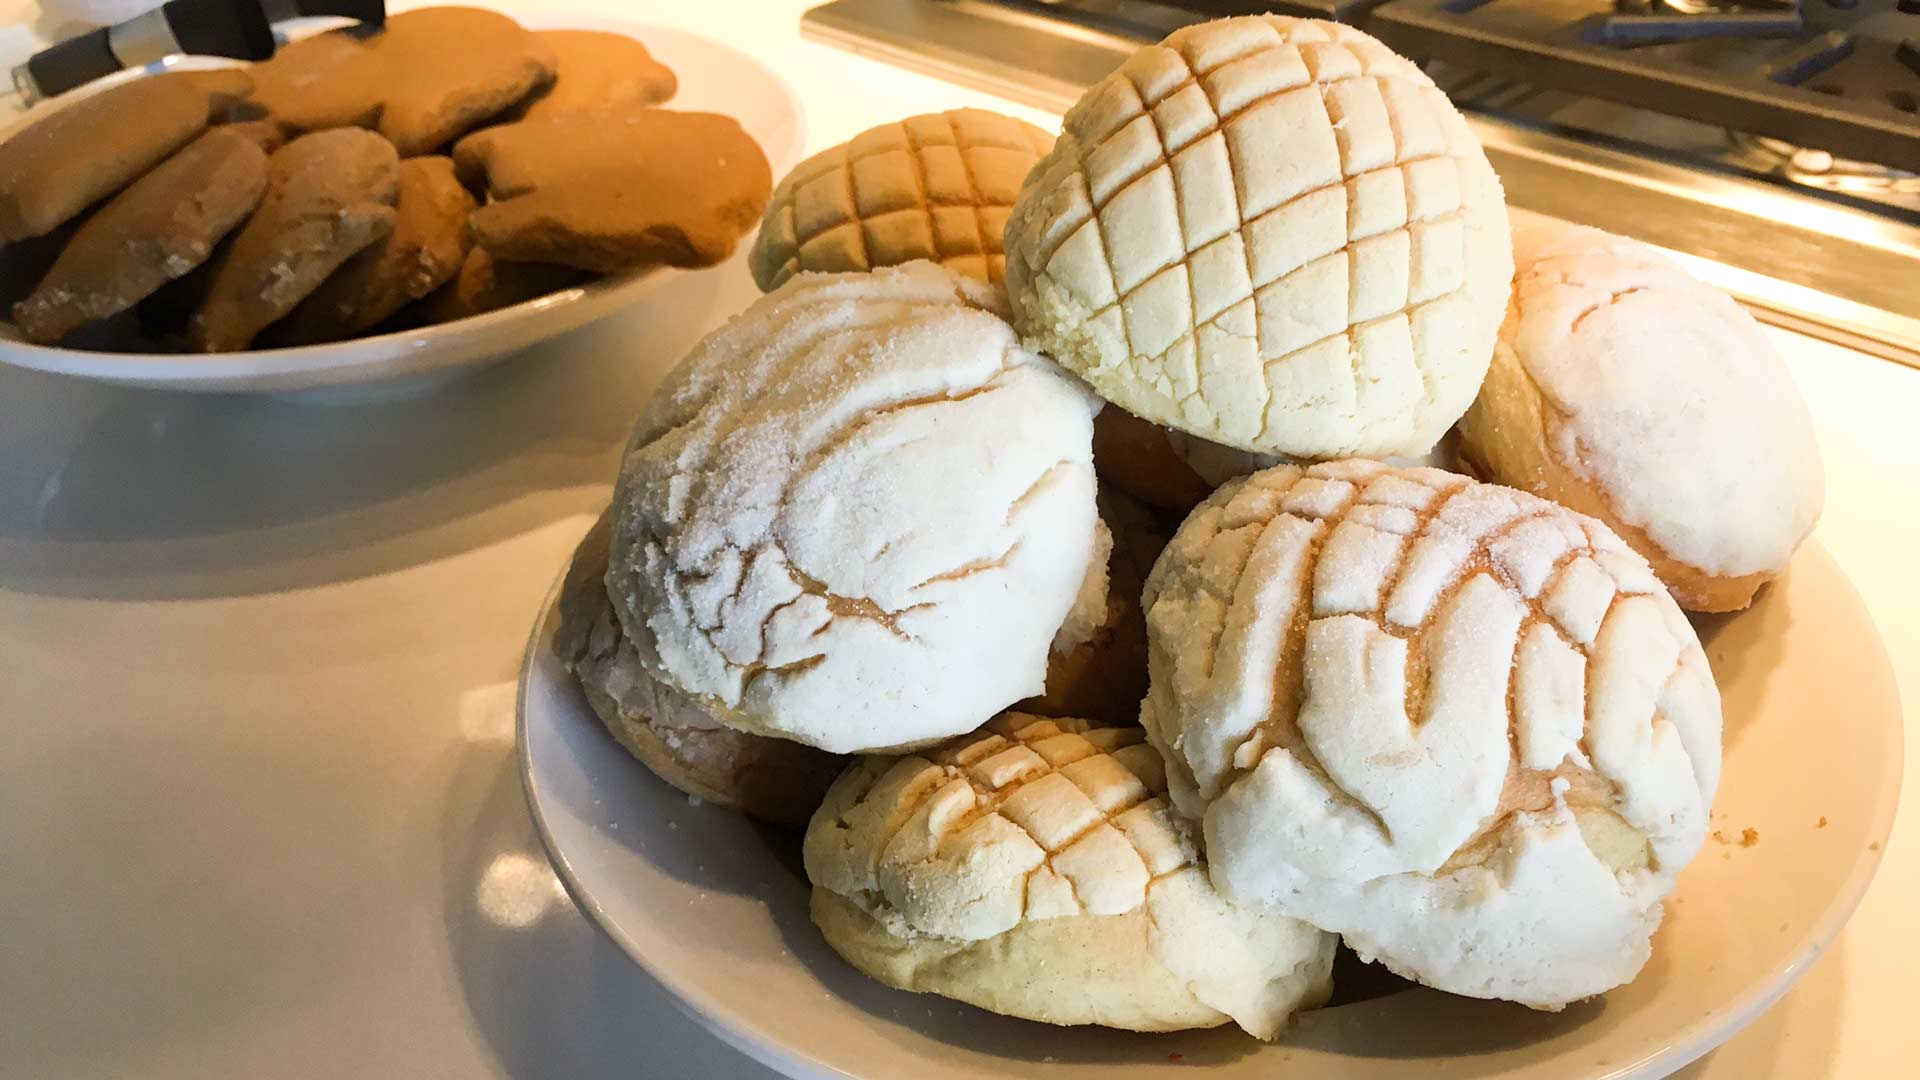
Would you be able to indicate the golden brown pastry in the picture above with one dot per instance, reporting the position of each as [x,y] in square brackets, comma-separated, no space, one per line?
[1273,233]
[425,250]
[1629,390]
[1040,873]
[426,78]
[329,195]
[158,229]
[1098,668]
[615,190]
[84,152]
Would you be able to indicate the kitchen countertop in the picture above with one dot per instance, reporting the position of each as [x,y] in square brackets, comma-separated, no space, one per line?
[258,807]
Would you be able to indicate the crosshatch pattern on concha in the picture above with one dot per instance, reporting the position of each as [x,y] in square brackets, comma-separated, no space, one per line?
[1239,281]
[935,187]
[1078,823]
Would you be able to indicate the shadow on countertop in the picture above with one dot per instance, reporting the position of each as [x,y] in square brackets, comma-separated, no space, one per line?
[550,994]
[128,494]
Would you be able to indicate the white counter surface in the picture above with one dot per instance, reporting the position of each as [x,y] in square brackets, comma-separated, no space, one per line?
[258,810]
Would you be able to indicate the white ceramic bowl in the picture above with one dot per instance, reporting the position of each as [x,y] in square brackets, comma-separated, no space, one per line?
[715,907]
[713,78]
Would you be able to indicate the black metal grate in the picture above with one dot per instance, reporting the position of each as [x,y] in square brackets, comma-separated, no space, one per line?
[1840,75]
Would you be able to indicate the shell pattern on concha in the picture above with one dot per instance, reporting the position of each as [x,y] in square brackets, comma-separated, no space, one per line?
[856,515]
[976,848]
[1274,233]
[1022,821]
[933,187]
[1461,725]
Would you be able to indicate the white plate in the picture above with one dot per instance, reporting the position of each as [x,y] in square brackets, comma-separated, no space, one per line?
[715,907]
[713,78]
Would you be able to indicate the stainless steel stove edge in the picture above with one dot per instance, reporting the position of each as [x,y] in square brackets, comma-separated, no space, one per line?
[1808,263]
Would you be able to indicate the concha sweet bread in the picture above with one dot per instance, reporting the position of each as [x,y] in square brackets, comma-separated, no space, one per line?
[857,514]
[1040,873]
[1629,390]
[1461,726]
[928,187]
[1269,232]
[771,779]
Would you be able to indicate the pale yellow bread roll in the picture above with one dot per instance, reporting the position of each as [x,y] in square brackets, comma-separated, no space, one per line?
[1461,726]
[1271,233]
[774,780]
[1629,390]
[934,187]
[1039,872]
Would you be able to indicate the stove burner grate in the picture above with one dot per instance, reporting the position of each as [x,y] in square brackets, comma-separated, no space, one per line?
[1839,74]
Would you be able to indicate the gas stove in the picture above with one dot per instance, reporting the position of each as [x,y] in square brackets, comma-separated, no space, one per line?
[1772,144]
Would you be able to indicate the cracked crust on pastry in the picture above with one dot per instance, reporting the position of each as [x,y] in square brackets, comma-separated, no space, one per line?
[857,514]
[1039,872]
[771,779]
[159,229]
[1272,233]
[1613,365]
[1462,726]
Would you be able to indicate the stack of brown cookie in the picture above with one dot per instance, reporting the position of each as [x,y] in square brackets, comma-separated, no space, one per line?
[448,164]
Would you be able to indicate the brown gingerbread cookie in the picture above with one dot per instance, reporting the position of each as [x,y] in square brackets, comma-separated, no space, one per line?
[424,80]
[426,248]
[24,263]
[59,166]
[487,284]
[268,135]
[614,190]
[599,70]
[159,228]
[329,196]
[1098,667]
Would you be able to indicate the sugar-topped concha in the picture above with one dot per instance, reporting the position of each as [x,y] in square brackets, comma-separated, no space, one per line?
[1269,232]
[1460,725]
[933,187]
[857,514]
[1626,388]
[775,780]
[1035,869]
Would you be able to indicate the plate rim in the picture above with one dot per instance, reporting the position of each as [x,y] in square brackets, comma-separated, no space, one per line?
[1688,1044]
[690,1000]
[242,371]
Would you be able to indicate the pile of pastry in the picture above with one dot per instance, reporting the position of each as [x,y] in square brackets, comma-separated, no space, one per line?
[447,164]
[1073,486]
